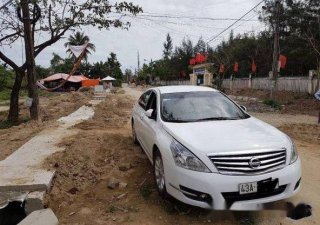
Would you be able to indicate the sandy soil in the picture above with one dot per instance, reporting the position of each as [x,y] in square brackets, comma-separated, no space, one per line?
[103,149]
[51,108]
[293,103]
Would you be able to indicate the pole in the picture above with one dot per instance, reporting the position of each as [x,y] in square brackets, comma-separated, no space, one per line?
[138,57]
[29,48]
[275,50]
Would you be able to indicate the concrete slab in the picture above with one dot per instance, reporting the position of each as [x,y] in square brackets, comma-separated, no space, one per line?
[23,170]
[41,217]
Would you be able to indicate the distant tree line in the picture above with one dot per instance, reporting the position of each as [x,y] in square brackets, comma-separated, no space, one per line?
[299,42]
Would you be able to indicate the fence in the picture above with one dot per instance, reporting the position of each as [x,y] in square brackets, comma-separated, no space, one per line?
[170,82]
[295,84]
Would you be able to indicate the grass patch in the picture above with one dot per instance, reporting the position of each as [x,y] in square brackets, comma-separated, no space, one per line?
[146,191]
[111,209]
[273,103]
[44,93]
[5,94]
[6,124]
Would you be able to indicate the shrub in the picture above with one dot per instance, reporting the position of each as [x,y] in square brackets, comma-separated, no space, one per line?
[273,103]
[117,83]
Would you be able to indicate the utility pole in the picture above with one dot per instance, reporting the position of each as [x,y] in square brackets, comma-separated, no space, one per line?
[138,57]
[275,63]
[29,48]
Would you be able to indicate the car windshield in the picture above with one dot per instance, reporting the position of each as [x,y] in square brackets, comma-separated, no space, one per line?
[199,106]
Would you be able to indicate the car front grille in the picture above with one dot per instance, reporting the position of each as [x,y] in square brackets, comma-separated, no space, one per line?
[250,162]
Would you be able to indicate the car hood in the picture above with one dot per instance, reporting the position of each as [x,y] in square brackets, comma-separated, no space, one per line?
[227,135]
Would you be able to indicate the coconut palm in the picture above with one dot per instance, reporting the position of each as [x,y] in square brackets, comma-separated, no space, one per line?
[79,38]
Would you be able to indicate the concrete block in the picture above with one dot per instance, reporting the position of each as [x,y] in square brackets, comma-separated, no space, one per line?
[34,201]
[41,217]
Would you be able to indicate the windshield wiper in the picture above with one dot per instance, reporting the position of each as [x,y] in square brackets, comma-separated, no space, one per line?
[179,121]
[217,118]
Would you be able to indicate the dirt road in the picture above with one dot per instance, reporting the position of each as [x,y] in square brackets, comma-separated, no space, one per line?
[103,151]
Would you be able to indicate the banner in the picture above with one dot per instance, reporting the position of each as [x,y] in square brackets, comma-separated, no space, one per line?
[221,69]
[236,67]
[77,49]
[282,61]
[254,67]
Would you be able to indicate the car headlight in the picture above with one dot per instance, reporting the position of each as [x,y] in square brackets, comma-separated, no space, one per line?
[294,153]
[186,159]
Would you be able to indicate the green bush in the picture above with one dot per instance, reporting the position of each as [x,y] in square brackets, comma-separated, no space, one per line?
[273,103]
[117,83]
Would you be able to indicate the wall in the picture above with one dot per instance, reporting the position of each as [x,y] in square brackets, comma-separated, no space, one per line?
[171,82]
[295,84]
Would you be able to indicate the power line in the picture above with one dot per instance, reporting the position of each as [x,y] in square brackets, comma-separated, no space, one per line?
[171,16]
[191,17]
[5,4]
[215,36]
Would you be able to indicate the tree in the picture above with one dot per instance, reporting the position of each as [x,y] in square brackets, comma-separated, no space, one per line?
[114,66]
[80,39]
[200,46]
[168,47]
[300,29]
[42,72]
[57,18]
[60,65]
[128,75]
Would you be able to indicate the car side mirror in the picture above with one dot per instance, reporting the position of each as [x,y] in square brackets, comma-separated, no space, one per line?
[149,114]
[243,108]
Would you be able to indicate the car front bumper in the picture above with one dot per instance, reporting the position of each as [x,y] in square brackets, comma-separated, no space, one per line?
[223,189]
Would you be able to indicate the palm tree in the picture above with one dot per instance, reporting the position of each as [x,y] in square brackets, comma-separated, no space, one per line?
[79,38]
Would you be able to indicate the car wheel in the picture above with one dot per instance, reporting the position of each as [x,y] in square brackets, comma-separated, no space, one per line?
[159,174]
[134,135]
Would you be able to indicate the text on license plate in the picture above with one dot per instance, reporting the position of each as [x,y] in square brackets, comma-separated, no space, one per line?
[247,188]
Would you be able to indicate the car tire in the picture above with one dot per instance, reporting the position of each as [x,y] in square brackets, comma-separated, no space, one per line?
[159,176]
[134,135]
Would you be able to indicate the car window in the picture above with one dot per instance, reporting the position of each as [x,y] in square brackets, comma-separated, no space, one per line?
[144,99]
[151,100]
[198,106]
[152,103]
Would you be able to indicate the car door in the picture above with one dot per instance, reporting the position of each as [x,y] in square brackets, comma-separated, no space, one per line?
[149,125]
[139,112]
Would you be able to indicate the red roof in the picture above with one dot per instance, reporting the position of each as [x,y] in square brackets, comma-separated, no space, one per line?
[64,76]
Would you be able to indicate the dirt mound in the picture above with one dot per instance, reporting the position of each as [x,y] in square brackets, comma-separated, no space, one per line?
[294,103]
[62,104]
[52,107]
[114,112]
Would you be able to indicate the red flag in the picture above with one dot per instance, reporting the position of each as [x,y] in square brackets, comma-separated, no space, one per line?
[283,61]
[221,69]
[236,67]
[254,67]
[200,58]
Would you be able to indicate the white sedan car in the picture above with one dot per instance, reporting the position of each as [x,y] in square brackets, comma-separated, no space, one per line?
[207,151]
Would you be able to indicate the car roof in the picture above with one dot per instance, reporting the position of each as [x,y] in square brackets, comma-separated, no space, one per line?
[183,88]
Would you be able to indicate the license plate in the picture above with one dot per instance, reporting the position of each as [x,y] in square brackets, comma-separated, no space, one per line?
[247,188]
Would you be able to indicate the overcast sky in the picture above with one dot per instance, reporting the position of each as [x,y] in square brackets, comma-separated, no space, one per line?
[147,34]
